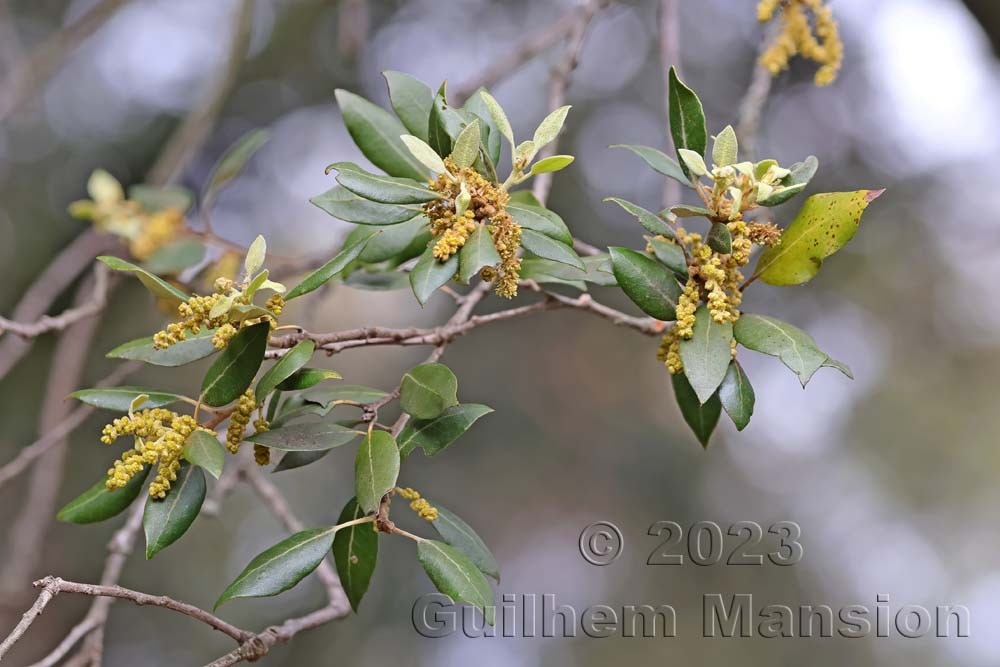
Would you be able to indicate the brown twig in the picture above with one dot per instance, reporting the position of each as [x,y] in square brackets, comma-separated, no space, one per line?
[47,323]
[755,98]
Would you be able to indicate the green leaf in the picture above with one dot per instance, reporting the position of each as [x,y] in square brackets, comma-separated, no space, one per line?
[411,99]
[343,204]
[701,417]
[380,188]
[649,284]
[552,163]
[282,566]
[491,137]
[651,222]
[394,240]
[164,521]
[736,395]
[499,117]
[120,398]
[256,254]
[192,348]
[355,551]
[824,225]
[175,257]
[235,159]
[477,252]
[325,273]
[293,360]
[659,161]
[154,284]
[792,345]
[693,162]
[377,134]
[428,274]
[550,127]
[598,272]
[376,467]
[345,392]
[427,390]
[796,181]
[154,198]
[720,239]
[726,148]
[203,449]
[305,437]
[840,366]
[544,246]
[541,220]
[691,212]
[466,148]
[304,378]
[445,124]
[460,535]
[456,576]
[706,355]
[434,435]
[670,255]
[292,460]
[97,503]
[234,369]
[687,118]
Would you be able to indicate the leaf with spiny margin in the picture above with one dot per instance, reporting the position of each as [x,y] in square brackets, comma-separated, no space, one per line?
[158,286]
[284,368]
[478,251]
[460,535]
[548,248]
[796,349]
[428,390]
[381,188]
[659,161]
[823,226]
[456,576]
[355,551]
[736,395]
[203,449]
[687,118]
[120,398]
[706,355]
[377,133]
[649,284]
[429,274]
[192,348]
[651,222]
[701,417]
[435,435]
[97,503]
[323,274]
[411,99]
[376,467]
[344,205]
[164,521]
[282,566]
[305,437]
[236,366]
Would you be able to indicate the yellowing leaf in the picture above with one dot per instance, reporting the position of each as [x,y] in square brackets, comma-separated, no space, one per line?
[824,225]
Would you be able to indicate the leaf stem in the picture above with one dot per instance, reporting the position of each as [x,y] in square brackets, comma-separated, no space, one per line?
[399,531]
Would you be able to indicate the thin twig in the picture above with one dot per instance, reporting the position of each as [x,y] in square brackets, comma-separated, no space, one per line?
[48,323]
[754,100]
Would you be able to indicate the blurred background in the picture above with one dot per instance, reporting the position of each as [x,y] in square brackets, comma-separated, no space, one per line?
[892,477]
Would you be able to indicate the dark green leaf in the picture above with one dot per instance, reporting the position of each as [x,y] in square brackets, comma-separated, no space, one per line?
[305,437]
[736,395]
[670,255]
[355,550]
[707,353]
[411,99]
[343,204]
[164,521]
[204,450]
[477,252]
[687,118]
[284,368]
[320,276]
[377,134]
[434,435]
[649,284]
[527,198]
[97,503]
[456,576]
[154,284]
[120,399]
[460,535]
[428,390]
[235,159]
[394,240]
[282,566]
[445,124]
[691,212]
[384,281]
[651,222]
[428,274]
[548,248]
[659,161]
[381,188]
[175,257]
[701,417]
[292,460]
[541,220]
[376,467]
[792,345]
[354,393]
[234,369]
[720,239]
[305,378]
[193,347]
[491,136]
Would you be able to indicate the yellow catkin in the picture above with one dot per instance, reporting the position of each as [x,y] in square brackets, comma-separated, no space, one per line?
[159,435]
[419,505]
[156,230]
[245,405]
[819,41]
[487,206]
